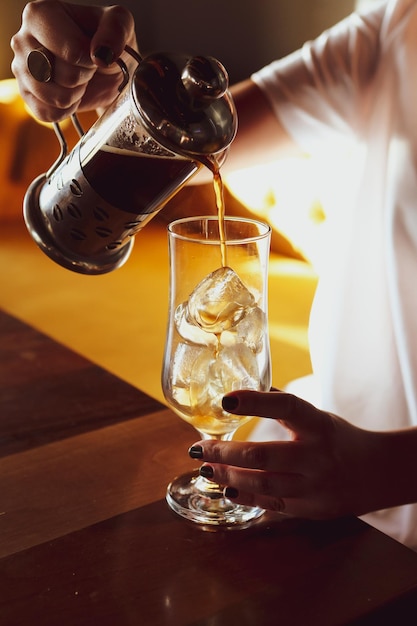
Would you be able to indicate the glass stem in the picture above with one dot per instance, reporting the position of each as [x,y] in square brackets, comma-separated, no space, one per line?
[223,437]
[209,488]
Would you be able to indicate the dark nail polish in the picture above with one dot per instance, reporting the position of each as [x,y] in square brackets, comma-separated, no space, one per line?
[196,452]
[230,492]
[230,403]
[104,54]
[206,471]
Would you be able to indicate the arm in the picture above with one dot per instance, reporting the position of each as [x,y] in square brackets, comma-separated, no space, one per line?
[320,92]
[85,40]
[329,469]
[261,137]
[319,87]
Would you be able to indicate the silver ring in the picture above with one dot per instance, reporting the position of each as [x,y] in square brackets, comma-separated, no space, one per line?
[40,63]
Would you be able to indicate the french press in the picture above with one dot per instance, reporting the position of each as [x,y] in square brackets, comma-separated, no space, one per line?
[170,118]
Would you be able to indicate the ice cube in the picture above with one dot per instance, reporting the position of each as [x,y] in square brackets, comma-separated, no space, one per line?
[182,368]
[250,330]
[191,332]
[219,301]
[213,375]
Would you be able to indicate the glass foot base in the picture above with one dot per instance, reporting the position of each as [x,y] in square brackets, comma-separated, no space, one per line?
[202,502]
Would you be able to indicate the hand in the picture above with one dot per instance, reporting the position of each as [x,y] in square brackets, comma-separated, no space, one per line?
[328,469]
[85,42]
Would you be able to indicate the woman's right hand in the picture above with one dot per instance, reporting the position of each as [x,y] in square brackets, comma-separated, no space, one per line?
[85,41]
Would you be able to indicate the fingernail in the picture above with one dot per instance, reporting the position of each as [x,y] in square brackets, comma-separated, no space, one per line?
[230,403]
[206,471]
[230,492]
[104,54]
[196,452]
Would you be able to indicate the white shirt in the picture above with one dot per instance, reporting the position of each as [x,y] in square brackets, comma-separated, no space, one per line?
[354,89]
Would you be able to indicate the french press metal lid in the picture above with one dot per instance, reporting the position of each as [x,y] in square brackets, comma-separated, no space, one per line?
[185,104]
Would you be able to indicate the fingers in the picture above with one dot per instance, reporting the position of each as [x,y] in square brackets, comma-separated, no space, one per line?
[58,28]
[83,41]
[262,483]
[293,412]
[277,482]
[116,29]
[283,493]
[295,495]
[271,456]
[280,505]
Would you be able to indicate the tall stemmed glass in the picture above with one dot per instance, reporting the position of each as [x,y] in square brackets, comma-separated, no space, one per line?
[217,341]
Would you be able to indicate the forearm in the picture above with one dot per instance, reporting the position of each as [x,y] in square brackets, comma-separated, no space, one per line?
[391,468]
[260,137]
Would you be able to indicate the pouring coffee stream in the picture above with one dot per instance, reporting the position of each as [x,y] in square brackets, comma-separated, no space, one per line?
[172,117]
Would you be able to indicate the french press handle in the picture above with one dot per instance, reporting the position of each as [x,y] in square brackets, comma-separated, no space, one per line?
[74,118]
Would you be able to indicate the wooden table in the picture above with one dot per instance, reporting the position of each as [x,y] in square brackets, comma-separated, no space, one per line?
[87,538]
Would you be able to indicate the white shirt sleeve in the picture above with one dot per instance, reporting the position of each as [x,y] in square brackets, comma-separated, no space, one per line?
[320,92]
